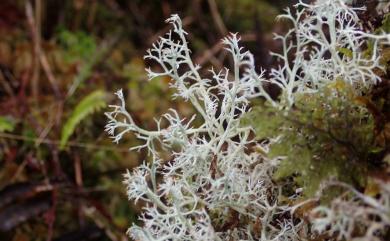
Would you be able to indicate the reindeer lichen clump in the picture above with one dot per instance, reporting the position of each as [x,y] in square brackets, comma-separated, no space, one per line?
[216,185]
[211,176]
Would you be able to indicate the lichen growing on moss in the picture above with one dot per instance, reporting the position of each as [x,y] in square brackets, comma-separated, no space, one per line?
[329,134]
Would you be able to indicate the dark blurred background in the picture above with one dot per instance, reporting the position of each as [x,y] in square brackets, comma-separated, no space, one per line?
[60,63]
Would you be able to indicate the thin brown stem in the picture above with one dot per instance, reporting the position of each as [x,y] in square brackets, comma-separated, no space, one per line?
[217,18]
[36,43]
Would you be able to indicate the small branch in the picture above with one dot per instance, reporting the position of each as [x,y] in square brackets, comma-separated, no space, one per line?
[217,18]
[49,74]
[36,42]
[57,143]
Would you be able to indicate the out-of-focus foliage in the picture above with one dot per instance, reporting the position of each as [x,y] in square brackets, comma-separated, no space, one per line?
[77,46]
[244,15]
[6,124]
[92,102]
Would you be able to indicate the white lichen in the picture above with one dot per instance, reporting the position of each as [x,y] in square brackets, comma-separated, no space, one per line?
[354,211]
[327,43]
[215,187]
[212,174]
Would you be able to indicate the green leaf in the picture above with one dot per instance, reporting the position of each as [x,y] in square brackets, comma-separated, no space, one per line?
[6,124]
[91,103]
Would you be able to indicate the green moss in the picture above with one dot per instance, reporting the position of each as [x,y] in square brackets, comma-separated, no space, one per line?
[79,46]
[240,14]
[325,135]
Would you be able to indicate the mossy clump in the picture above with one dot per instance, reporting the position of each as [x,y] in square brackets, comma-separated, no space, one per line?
[326,135]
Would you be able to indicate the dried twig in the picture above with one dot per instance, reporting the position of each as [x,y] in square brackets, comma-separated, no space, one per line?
[57,143]
[217,18]
[39,56]
[36,42]
[49,74]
